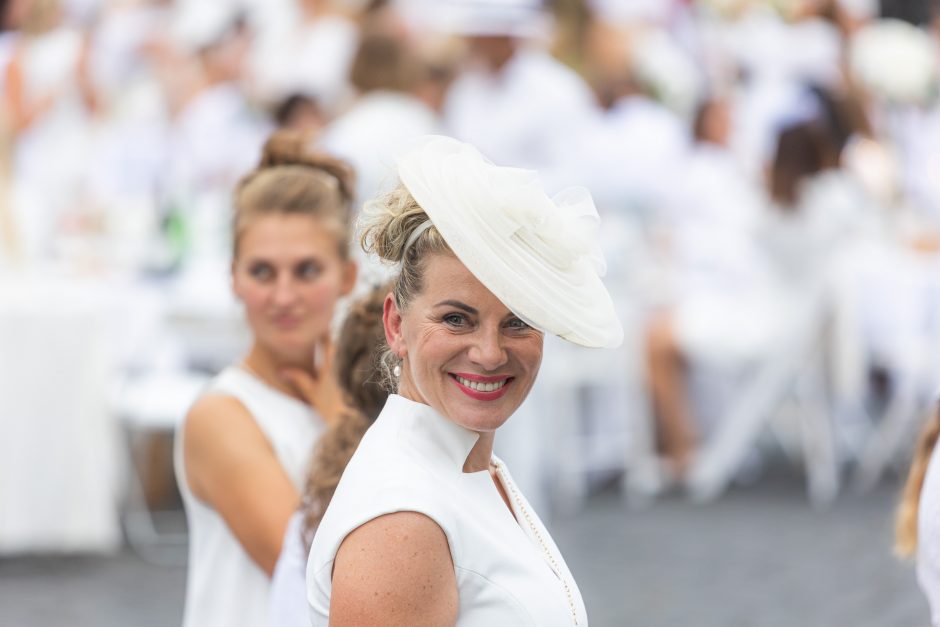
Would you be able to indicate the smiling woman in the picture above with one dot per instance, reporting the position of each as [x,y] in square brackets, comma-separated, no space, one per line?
[242,451]
[426,525]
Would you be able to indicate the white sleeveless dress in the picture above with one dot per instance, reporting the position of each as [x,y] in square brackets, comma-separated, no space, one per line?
[224,587]
[411,459]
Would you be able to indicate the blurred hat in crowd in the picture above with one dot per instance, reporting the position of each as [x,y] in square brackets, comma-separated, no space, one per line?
[523,19]
[895,61]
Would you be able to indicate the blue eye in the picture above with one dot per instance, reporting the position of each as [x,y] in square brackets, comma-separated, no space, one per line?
[261,271]
[308,270]
[455,319]
[517,324]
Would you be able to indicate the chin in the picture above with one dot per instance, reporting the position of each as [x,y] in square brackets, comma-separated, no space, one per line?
[476,418]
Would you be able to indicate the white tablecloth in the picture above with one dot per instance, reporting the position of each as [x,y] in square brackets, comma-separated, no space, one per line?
[59,447]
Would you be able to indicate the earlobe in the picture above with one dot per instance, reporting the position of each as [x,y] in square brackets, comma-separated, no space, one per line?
[391,320]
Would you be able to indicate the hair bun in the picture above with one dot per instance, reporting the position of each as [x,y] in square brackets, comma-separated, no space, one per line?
[286,147]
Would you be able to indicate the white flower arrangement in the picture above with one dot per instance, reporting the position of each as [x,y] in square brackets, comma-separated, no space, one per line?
[666,71]
[895,61]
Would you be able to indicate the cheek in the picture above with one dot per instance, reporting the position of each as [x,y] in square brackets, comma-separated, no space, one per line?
[252,296]
[323,293]
[530,354]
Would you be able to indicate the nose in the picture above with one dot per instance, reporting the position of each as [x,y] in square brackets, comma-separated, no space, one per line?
[284,291]
[487,350]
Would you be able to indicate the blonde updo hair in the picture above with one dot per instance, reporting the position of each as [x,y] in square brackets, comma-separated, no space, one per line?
[291,179]
[386,224]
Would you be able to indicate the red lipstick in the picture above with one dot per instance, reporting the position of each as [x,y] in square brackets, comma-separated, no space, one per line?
[479,394]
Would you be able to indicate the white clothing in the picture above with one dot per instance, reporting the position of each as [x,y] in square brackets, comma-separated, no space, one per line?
[51,154]
[411,459]
[216,139]
[310,57]
[373,134]
[213,142]
[720,270]
[224,586]
[288,604]
[928,537]
[527,115]
[627,157]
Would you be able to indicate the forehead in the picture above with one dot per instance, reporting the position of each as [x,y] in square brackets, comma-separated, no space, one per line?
[446,278]
[286,235]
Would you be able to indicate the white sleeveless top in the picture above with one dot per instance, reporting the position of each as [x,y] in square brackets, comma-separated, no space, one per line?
[411,459]
[224,586]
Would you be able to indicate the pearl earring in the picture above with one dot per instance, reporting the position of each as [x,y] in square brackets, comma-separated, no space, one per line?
[396,371]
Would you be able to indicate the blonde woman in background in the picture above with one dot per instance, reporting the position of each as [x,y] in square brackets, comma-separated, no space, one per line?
[242,452]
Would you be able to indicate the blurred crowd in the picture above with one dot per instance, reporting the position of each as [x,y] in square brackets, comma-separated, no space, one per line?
[749,158]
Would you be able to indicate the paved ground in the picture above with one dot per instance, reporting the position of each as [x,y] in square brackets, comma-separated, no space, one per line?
[761,557]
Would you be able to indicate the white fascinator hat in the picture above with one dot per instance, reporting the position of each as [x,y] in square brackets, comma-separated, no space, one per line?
[537,254]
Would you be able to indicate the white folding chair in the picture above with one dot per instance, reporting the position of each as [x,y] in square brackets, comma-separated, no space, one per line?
[154,403]
[795,370]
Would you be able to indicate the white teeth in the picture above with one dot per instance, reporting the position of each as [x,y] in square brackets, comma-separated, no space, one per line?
[481,387]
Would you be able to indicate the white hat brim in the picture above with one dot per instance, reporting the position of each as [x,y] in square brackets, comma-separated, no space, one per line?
[534,253]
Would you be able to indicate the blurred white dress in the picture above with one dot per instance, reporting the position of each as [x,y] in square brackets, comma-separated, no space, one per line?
[508,569]
[224,586]
[288,603]
[721,275]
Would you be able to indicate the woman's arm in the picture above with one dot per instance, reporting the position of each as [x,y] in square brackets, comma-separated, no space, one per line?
[230,465]
[394,570]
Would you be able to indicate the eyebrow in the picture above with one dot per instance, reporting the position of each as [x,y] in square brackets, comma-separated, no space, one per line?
[459,305]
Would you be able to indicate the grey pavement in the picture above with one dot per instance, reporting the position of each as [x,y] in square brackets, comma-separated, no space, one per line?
[759,557]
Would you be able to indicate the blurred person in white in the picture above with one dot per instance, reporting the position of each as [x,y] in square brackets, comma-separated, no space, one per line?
[11,15]
[130,59]
[814,211]
[358,348]
[49,100]
[627,155]
[426,525]
[777,48]
[713,264]
[917,521]
[216,129]
[387,117]
[242,452]
[514,101]
[306,46]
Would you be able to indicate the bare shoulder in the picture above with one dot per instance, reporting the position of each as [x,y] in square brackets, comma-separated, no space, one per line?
[215,416]
[395,569]
[219,432]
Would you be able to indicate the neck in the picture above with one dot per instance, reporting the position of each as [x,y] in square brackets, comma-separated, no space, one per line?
[481,453]
[265,366]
